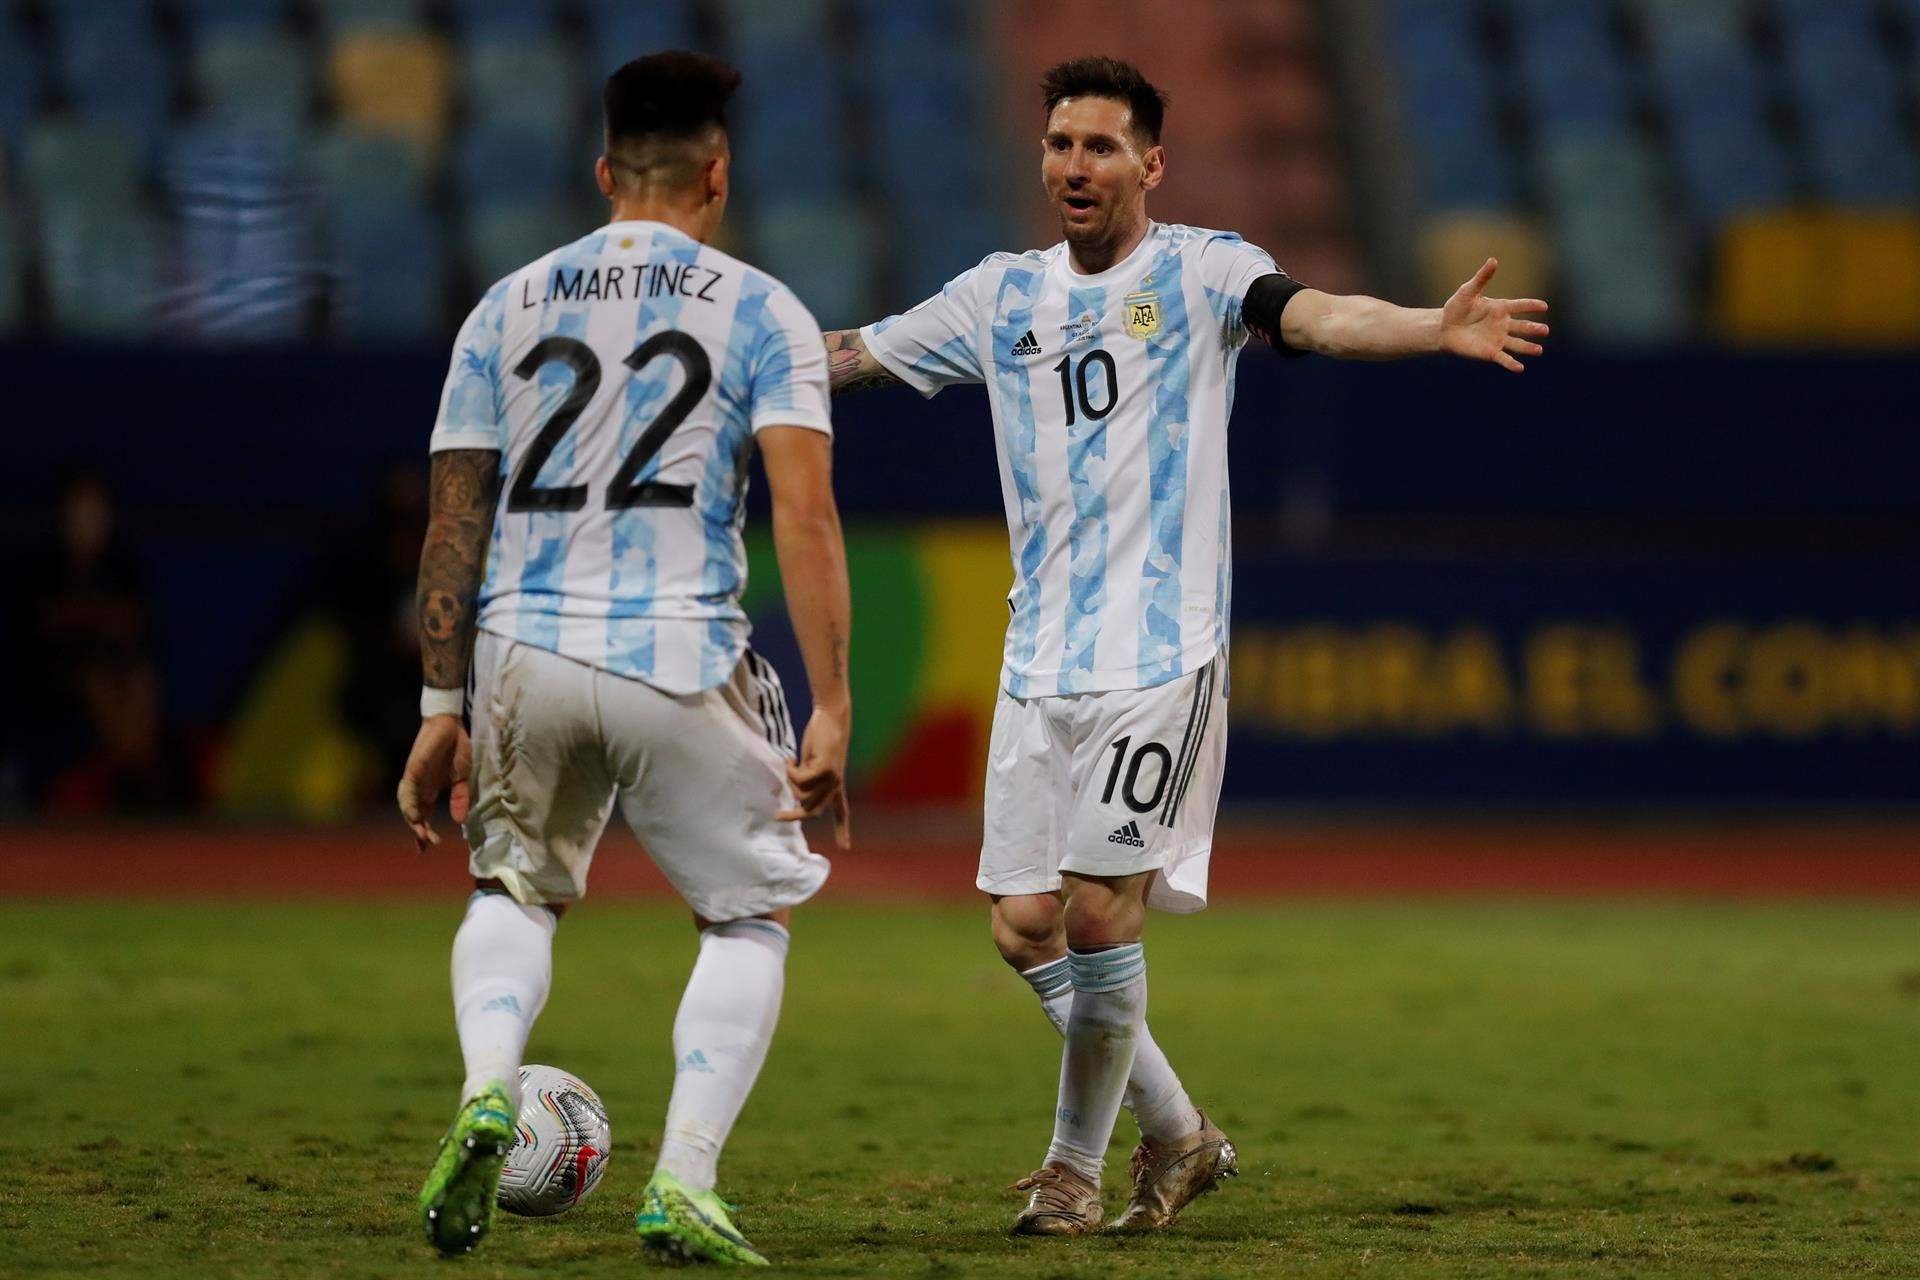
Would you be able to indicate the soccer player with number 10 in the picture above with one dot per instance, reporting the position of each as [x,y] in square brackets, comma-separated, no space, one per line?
[1109,363]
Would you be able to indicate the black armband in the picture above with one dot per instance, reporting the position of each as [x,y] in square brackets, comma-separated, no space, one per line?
[1260,311]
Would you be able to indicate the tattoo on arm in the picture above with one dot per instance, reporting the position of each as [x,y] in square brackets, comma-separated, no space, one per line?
[850,366]
[464,486]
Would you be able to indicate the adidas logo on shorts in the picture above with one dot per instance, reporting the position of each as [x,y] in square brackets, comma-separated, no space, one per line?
[1129,835]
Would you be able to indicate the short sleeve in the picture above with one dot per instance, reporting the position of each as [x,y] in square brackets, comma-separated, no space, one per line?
[935,344]
[1228,268]
[471,407]
[789,371]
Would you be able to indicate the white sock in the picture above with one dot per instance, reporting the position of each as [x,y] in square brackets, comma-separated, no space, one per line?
[720,1039]
[502,968]
[1154,1093]
[1109,1008]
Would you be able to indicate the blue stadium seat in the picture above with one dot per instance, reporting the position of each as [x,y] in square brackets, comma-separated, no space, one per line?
[1464,171]
[501,19]
[245,265]
[207,17]
[1728,166]
[79,163]
[1674,26]
[532,82]
[1446,86]
[753,22]
[256,77]
[126,17]
[823,251]
[19,88]
[1841,77]
[361,171]
[14,256]
[103,269]
[337,17]
[513,163]
[618,31]
[1571,66]
[1714,83]
[1863,167]
[890,24]
[790,105]
[502,239]
[112,76]
[390,275]
[1800,18]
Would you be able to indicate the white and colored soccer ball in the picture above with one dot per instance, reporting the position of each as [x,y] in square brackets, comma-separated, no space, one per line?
[563,1145]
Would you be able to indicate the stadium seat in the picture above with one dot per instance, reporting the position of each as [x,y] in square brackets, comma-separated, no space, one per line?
[339,18]
[532,82]
[790,105]
[1863,166]
[390,275]
[20,85]
[1825,278]
[1727,166]
[1672,27]
[396,83]
[245,261]
[111,74]
[619,31]
[774,22]
[70,163]
[359,170]
[890,24]
[203,18]
[1453,247]
[259,78]
[14,256]
[125,17]
[103,268]
[1620,265]
[504,238]
[514,163]
[823,252]
[1464,171]
[502,19]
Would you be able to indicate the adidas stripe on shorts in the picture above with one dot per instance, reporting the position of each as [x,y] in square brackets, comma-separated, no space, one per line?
[1107,784]
[699,776]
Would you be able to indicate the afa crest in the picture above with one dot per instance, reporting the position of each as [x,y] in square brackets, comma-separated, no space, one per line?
[1143,314]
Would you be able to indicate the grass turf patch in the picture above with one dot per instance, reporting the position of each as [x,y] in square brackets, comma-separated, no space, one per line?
[1455,1090]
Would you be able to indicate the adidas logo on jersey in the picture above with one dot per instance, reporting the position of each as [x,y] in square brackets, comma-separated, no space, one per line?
[1027,346]
[1128,835]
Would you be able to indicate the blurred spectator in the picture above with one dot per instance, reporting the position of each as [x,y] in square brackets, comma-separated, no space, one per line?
[99,713]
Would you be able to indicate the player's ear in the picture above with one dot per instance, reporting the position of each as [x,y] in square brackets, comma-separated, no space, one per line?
[716,177]
[603,174]
[1155,164]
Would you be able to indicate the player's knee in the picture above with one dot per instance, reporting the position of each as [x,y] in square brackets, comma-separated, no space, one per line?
[1027,930]
[1097,917]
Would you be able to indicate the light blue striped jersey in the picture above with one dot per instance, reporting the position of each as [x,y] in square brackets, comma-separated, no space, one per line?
[1110,398]
[622,379]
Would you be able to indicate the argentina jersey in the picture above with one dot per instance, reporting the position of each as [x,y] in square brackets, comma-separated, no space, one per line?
[1110,396]
[622,379]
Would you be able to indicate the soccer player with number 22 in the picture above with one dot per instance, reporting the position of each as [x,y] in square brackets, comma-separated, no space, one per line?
[1109,365]
[612,393]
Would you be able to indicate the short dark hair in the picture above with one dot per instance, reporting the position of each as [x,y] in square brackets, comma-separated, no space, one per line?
[1108,78]
[668,96]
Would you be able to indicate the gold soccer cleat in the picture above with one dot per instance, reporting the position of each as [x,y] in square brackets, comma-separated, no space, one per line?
[1167,1177]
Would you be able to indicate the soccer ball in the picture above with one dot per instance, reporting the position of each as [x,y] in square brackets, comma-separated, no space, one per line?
[563,1145]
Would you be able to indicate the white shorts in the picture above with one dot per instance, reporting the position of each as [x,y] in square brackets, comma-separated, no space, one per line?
[699,779]
[1107,784]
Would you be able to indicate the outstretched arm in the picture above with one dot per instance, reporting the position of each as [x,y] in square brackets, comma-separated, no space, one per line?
[464,487]
[1356,327]
[850,366]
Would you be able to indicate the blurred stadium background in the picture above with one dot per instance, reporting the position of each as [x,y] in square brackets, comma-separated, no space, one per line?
[1670,571]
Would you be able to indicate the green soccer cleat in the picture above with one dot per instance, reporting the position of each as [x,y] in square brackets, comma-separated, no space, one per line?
[680,1225]
[456,1204]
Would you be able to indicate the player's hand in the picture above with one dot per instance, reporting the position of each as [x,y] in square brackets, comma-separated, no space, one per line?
[442,756]
[818,777]
[1482,328]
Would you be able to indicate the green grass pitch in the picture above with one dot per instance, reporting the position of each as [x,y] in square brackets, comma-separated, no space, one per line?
[1555,1088]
